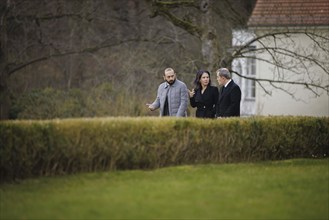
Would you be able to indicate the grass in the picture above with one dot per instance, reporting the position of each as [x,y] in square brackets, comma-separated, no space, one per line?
[290,189]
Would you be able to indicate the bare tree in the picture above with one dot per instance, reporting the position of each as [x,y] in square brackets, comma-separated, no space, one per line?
[81,44]
[213,22]
[305,63]
[209,21]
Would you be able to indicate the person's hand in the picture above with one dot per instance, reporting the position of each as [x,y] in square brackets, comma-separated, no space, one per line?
[150,106]
[191,93]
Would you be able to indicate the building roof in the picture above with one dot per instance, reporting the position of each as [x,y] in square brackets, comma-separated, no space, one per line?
[290,13]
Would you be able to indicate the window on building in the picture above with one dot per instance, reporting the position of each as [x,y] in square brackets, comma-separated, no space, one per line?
[250,85]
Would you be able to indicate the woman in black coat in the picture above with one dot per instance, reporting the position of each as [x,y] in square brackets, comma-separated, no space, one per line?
[204,96]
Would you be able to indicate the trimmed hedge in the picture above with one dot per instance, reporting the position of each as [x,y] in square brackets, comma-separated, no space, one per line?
[42,148]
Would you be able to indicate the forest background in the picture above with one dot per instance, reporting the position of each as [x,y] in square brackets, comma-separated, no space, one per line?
[96,58]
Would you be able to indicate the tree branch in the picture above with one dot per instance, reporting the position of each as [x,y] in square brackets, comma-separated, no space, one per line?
[271,81]
[162,8]
[298,61]
[9,71]
[273,34]
[175,4]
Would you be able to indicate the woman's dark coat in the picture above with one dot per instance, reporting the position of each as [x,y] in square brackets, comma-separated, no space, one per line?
[206,102]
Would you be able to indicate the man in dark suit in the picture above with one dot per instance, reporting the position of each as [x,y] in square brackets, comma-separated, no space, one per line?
[229,99]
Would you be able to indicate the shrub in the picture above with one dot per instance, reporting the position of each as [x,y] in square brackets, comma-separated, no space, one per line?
[32,148]
[100,101]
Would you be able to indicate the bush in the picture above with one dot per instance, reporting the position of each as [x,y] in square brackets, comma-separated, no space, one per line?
[34,148]
[100,101]
[48,103]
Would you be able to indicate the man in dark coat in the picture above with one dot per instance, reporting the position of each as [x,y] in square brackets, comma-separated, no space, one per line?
[229,99]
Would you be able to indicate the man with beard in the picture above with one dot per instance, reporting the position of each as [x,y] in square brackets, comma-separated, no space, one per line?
[172,96]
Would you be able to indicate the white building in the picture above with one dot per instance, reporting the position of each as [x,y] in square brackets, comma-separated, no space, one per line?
[301,21]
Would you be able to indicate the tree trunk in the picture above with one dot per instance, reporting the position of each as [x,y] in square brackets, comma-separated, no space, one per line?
[216,36]
[4,96]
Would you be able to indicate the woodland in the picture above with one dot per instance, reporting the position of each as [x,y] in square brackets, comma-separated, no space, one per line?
[96,58]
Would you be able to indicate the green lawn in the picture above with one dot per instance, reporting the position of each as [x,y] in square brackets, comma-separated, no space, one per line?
[291,189]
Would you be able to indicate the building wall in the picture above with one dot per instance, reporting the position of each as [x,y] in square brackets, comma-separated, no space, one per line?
[243,67]
[304,101]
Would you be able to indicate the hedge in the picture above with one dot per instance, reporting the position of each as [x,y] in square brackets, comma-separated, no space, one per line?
[30,148]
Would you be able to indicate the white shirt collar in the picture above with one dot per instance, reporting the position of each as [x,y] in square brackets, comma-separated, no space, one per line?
[227,83]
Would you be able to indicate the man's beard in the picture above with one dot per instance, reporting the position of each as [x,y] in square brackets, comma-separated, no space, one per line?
[171,82]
